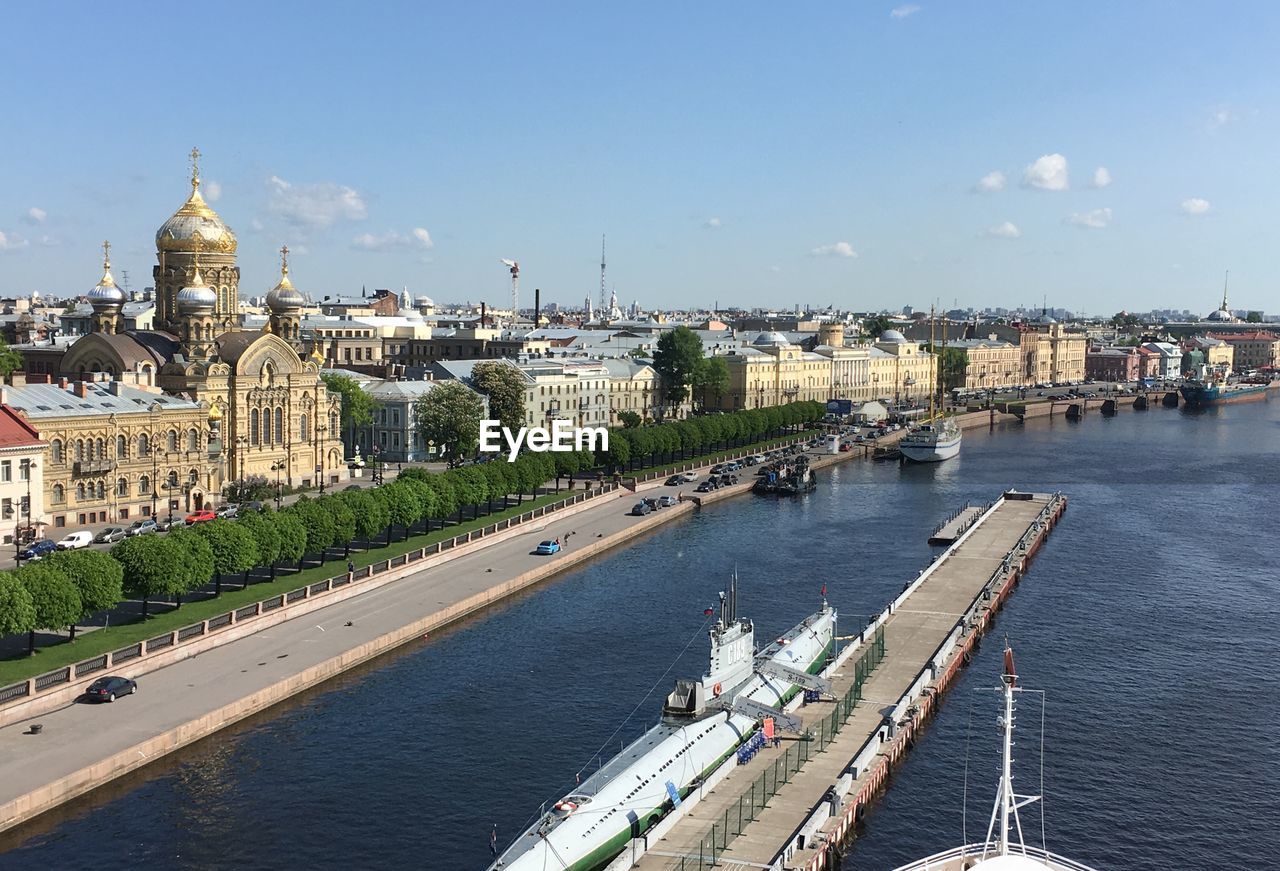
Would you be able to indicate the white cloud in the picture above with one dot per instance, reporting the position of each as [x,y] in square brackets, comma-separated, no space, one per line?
[50,241]
[1005,230]
[1094,219]
[212,191]
[256,225]
[1101,177]
[1195,206]
[1221,116]
[712,223]
[1048,173]
[11,242]
[35,215]
[839,249]
[990,183]
[316,205]
[905,11]
[391,240]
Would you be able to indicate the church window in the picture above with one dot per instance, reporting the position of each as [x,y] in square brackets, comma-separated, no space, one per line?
[102,490]
[173,440]
[102,450]
[144,444]
[279,430]
[193,440]
[80,492]
[194,476]
[122,447]
[253,427]
[302,427]
[333,423]
[266,426]
[144,484]
[122,487]
[55,450]
[173,480]
[59,493]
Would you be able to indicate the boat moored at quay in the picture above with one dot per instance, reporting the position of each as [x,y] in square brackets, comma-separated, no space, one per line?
[704,721]
[1204,393]
[932,442]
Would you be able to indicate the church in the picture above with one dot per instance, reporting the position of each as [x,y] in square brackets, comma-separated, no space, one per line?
[269,414]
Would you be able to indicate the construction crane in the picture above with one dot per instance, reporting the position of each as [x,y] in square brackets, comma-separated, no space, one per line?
[515,288]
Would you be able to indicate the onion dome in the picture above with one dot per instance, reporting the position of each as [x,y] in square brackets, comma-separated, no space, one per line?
[196,298]
[284,297]
[106,294]
[195,218]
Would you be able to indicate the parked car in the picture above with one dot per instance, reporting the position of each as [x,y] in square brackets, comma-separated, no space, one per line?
[105,689]
[666,501]
[689,477]
[166,525]
[76,540]
[704,487]
[675,481]
[547,548]
[640,509]
[200,516]
[228,511]
[142,527]
[37,549]
[110,534]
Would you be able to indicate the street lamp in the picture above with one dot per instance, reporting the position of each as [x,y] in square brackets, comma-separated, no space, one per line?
[278,467]
[321,429]
[30,466]
[377,465]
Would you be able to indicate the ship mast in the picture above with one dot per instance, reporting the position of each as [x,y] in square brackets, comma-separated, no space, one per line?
[1004,816]
[937,375]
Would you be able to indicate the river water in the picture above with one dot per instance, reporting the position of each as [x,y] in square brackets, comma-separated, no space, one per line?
[1149,620]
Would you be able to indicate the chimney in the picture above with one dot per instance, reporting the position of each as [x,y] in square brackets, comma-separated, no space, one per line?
[482,311]
[4,394]
[81,389]
[537,305]
[62,382]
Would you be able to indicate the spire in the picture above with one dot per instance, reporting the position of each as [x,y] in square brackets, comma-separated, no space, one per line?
[1225,278]
[197,241]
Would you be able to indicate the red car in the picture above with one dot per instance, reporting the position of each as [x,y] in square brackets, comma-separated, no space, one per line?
[200,517]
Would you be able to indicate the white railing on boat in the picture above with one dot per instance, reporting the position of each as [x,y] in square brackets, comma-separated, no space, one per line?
[953,859]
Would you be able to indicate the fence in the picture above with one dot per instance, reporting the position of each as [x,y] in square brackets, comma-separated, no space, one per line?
[67,674]
[817,738]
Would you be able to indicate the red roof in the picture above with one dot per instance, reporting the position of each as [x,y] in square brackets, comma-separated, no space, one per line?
[1255,336]
[15,432]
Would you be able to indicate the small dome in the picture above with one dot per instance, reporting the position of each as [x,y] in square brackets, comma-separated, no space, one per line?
[1220,316]
[284,296]
[770,338]
[1046,319]
[892,336]
[196,298]
[106,294]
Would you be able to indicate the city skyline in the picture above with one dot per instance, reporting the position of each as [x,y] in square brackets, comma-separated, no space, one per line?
[892,155]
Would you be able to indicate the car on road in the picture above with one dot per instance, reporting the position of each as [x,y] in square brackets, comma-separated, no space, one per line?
[37,549]
[689,477]
[142,527]
[666,501]
[110,534]
[640,509]
[105,689]
[76,540]
[228,511]
[200,517]
[547,548]
[704,487]
[675,481]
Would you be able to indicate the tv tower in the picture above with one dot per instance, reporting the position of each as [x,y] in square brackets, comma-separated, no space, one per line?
[604,297]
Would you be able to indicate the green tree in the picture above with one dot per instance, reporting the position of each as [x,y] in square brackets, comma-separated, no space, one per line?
[10,360]
[96,576]
[293,538]
[619,453]
[1124,320]
[629,419]
[505,386]
[266,535]
[142,559]
[874,327]
[318,524]
[402,506]
[191,559]
[17,609]
[371,514]
[472,488]
[446,498]
[1253,318]
[952,364]
[56,600]
[233,546]
[711,380]
[357,405]
[676,359]
[344,520]
[450,416]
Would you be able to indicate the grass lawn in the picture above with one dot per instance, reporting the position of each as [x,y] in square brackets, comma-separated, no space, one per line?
[99,641]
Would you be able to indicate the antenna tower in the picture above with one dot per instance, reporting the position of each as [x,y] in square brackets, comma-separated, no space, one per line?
[515,289]
[604,297]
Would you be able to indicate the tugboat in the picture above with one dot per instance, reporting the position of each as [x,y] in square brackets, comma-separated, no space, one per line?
[1003,849]
[703,722]
[786,478]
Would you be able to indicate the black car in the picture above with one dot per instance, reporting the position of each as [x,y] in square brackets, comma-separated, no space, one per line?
[105,689]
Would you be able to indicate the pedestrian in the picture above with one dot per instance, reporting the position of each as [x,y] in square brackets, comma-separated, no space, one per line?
[351,567]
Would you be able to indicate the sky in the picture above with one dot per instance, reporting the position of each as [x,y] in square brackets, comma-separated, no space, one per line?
[1100,156]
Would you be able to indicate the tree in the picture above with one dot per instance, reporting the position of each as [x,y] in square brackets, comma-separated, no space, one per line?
[96,576]
[17,608]
[142,559]
[191,561]
[402,506]
[472,488]
[449,415]
[344,521]
[619,453]
[371,514]
[318,524]
[293,538]
[55,598]
[357,406]
[233,548]
[1253,318]
[874,327]
[10,360]
[505,386]
[629,419]
[1124,320]
[676,359]
[711,379]
[952,365]
[266,535]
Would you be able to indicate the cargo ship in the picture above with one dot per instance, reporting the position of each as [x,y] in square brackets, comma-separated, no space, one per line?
[704,721]
[1201,394]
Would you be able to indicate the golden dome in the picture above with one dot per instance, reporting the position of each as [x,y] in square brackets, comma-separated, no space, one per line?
[195,218]
[215,413]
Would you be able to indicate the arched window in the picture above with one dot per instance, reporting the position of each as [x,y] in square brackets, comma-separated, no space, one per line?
[253,427]
[173,440]
[193,440]
[302,428]
[333,425]
[122,487]
[144,484]
[59,493]
[122,447]
[55,450]
[266,426]
[173,480]
[102,449]
[144,445]
[102,489]
[194,476]
[279,430]
[80,492]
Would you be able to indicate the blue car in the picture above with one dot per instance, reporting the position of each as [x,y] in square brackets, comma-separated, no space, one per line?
[547,548]
[43,547]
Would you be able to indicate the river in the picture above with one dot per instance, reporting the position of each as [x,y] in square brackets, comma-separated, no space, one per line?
[1148,619]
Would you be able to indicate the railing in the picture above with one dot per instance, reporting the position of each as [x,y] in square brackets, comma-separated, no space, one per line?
[954,858]
[34,686]
[736,817]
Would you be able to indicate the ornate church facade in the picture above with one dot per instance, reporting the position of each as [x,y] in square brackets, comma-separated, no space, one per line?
[268,412]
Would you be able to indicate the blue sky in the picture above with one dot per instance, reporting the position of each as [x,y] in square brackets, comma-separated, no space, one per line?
[748,153]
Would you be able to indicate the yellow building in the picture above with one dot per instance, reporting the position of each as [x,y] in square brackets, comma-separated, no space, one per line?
[850,371]
[634,387]
[772,371]
[1050,354]
[269,414]
[900,370]
[1253,350]
[991,363]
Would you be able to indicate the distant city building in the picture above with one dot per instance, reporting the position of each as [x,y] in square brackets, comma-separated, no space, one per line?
[22,459]
[1112,364]
[1255,349]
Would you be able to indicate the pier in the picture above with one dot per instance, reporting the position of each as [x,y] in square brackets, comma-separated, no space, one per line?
[791,806]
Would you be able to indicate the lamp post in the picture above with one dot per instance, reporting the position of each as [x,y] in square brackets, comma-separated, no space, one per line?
[377,465]
[155,474]
[321,429]
[238,484]
[278,467]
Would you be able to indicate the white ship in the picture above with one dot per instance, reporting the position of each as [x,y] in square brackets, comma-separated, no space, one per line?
[1003,849]
[703,722]
[932,442]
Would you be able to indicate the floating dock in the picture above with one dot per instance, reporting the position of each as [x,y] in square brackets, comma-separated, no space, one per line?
[955,525]
[792,806]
